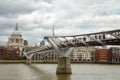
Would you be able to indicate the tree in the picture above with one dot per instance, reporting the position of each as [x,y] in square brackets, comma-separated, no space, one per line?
[7,56]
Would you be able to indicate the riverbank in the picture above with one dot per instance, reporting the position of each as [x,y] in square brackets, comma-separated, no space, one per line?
[46,62]
[12,61]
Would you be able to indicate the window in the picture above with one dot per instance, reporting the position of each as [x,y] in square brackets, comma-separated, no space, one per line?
[1,52]
[12,40]
[17,41]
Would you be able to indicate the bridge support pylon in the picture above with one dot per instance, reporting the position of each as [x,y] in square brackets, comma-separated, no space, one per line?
[28,61]
[63,66]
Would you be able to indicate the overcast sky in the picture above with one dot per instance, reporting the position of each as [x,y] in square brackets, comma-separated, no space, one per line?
[36,17]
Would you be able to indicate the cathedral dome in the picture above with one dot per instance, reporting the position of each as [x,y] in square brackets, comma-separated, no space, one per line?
[16,33]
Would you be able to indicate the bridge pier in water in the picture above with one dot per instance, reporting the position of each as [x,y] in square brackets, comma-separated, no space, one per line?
[28,61]
[63,66]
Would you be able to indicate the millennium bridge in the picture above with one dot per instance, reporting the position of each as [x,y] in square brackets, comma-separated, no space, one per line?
[64,45]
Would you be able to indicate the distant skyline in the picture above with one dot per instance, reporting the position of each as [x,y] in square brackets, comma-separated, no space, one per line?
[36,18]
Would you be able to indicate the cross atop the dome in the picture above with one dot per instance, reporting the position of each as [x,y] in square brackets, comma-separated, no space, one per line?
[16,28]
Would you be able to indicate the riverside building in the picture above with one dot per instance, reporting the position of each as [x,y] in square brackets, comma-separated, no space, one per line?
[80,54]
[115,51]
[83,54]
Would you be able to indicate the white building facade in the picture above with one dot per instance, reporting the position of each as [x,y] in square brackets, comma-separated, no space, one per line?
[83,54]
[80,54]
[16,40]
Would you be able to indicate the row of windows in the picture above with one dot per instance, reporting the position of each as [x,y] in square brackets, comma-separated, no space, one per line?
[16,41]
[116,60]
[45,58]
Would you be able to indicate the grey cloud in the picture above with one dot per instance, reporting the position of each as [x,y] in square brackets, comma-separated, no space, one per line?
[49,1]
[3,43]
[36,17]
[14,7]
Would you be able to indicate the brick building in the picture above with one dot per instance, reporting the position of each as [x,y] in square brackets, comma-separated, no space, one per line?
[103,56]
[8,53]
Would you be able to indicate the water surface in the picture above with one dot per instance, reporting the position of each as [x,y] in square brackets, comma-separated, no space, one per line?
[48,72]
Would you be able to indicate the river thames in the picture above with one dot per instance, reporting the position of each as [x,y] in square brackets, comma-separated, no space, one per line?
[48,72]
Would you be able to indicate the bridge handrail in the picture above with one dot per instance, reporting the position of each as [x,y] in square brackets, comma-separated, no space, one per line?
[117,30]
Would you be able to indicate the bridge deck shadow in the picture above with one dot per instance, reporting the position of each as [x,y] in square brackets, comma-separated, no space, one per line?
[43,75]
